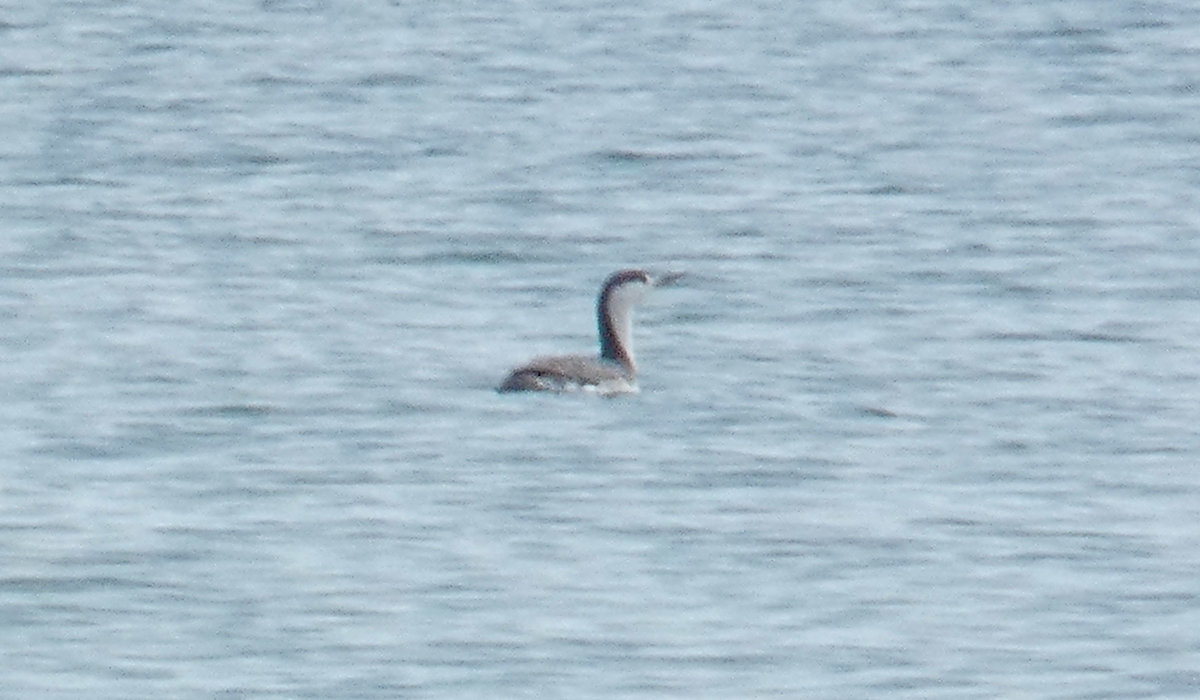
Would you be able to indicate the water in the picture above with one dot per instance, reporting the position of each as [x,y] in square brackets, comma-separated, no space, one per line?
[921,424]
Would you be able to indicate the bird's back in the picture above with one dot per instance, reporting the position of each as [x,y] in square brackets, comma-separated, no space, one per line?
[569,373]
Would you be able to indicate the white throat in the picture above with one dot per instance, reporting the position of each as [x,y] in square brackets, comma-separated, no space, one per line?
[617,318]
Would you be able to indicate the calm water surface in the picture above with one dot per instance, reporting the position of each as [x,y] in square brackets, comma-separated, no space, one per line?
[920,424]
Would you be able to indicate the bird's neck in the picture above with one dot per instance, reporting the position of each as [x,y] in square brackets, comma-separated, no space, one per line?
[616,337]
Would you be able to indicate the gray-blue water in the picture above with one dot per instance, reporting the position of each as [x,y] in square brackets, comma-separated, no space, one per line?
[923,422]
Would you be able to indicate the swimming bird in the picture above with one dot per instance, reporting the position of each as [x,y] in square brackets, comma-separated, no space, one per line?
[614,372]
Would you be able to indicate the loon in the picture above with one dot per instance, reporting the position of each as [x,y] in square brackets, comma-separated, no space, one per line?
[614,372]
